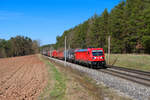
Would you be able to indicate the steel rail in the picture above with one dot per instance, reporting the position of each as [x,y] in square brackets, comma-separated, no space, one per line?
[136,79]
[145,73]
[124,75]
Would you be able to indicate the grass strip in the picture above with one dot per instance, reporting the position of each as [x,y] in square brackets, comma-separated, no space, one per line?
[133,61]
[58,91]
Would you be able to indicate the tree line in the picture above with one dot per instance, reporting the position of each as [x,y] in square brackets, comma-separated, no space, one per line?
[128,24]
[18,46]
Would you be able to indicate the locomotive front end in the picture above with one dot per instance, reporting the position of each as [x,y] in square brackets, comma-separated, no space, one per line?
[98,57]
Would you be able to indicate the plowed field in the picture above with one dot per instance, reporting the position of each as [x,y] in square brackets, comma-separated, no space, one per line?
[22,78]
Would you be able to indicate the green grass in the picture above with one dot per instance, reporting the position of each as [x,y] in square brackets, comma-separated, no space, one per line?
[57,92]
[140,62]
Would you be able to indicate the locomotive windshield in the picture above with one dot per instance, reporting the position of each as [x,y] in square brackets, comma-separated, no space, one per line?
[97,52]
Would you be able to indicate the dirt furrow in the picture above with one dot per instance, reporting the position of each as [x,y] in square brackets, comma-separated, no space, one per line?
[25,80]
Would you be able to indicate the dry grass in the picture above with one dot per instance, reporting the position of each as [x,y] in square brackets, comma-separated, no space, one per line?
[134,61]
[56,87]
[81,87]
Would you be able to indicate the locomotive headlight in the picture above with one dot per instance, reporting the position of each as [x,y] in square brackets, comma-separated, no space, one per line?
[101,57]
[94,58]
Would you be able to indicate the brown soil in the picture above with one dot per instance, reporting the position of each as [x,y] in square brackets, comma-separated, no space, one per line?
[22,78]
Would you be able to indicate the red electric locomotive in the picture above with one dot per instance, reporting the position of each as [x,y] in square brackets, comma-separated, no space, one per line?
[93,57]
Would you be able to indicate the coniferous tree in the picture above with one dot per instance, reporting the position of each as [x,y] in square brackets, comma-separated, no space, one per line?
[128,24]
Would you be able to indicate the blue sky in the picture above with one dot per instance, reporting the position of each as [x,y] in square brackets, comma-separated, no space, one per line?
[45,19]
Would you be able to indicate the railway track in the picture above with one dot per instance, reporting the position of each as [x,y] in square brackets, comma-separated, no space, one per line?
[129,82]
[137,76]
[140,77]
[130,70]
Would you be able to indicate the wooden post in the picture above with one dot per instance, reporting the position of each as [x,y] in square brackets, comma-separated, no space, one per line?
[65,50]
[108,50]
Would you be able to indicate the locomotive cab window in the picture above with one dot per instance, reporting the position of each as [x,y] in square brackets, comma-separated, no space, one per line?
[97,52]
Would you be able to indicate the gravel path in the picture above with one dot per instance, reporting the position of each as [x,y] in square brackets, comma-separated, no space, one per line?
[131,89]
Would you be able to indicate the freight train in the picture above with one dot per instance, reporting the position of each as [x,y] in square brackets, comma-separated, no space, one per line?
[90,57]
